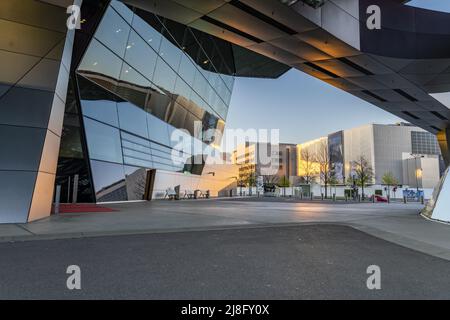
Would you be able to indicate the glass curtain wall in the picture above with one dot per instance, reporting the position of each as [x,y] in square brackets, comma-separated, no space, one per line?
[141,78]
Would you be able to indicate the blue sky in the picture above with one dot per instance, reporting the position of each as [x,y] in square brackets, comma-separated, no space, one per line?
[303,107]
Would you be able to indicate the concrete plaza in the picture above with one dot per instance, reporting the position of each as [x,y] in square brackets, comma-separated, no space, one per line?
[396,222]
[229,249]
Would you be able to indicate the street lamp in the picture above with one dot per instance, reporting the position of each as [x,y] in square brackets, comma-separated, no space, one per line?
[417,172]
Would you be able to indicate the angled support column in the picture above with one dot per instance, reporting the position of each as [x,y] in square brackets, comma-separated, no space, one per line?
[438,208]
[35,54]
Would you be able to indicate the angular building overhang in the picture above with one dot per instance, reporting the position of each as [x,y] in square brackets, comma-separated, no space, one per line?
[395,67]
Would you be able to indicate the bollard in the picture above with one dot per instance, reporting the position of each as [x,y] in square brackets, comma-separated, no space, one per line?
[422,200]
[388,199]
[359,198]
[57,198]
[75,188]
[334,196]
[311,195]
[404,199]
[322,195]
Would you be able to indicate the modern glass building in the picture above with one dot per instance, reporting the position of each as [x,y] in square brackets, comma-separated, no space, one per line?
[141,78]
[94,108]
[97,109]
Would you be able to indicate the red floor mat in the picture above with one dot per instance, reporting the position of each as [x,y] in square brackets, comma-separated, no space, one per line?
[80,208]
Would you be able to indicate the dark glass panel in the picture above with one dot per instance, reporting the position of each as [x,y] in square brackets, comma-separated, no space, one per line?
[158,105]
[65,175]
[132,119]
[98,103]
[190,123]
[133,161]
[113,32]
[148,27]
[72,159]
[101,66]
[102,110]
[140,55]
[187,70]
[123,10]
[200,103]
[103,141]
[169,52]
[182,92]
[109,181]
[70,139]
[209,122]
[134,87]
[164,77]
[181,140]
[158,130]
[71,100]
[177,116]
[175,31]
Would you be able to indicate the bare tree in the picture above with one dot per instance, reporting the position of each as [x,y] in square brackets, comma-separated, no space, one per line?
[363,171]
[306,165]
[270,179]
[322,158]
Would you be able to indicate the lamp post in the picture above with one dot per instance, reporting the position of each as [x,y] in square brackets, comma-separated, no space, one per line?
[416,171]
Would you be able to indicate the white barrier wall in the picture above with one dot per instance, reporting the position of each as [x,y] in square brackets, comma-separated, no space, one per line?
[219,183]
[339,190]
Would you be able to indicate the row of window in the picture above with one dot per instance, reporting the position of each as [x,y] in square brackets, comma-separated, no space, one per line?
[166,148]
[159,62]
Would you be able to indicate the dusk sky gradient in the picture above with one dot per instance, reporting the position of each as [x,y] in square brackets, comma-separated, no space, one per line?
[303,107]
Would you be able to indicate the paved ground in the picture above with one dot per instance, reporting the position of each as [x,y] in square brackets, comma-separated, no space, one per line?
[304,262]
[396,222]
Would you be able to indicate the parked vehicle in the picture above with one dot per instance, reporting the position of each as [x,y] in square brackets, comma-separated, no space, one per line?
[379,198]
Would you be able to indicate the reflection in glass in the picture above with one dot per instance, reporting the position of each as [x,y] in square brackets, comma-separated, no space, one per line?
[158,105]
[100,65]
[148,32]
[134,87]
[123,10]
[109,181]
[158,130]
[135,181]
[103,141]
[132,119]
[163,83]
[170,53]
[140,55]
[182,92]
[164,77]
[102,110]
[177,116]
[97,102]
[113,32]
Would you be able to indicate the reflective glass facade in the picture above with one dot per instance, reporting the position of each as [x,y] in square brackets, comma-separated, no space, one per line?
[140,78]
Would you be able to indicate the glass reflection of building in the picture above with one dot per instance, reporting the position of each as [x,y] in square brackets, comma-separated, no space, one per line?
[336,154]
[140,78]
